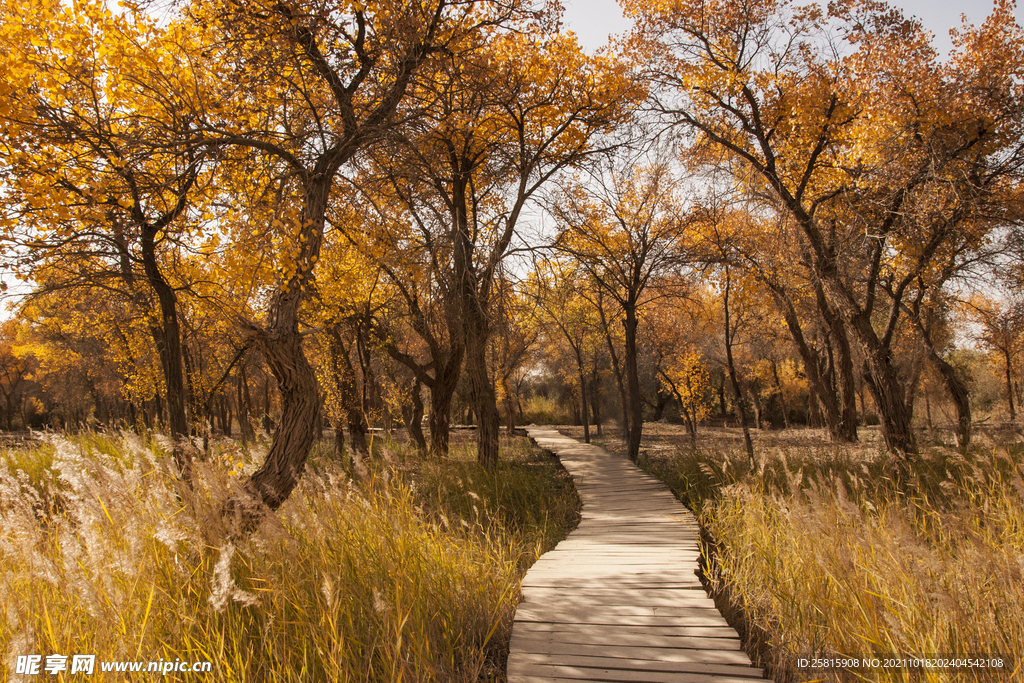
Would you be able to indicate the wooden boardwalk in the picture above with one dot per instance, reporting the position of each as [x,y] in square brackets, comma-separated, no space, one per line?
[619,599]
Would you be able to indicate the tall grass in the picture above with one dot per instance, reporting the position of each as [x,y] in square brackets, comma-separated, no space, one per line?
[822,554]
[102,552]
[545,410]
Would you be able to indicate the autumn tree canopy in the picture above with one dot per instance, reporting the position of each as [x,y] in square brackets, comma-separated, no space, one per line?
[892,167]
[284,216]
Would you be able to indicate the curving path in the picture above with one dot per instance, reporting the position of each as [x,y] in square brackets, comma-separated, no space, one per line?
[619,599]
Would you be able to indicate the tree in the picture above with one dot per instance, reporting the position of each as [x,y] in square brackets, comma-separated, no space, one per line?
[514,339]
[626,229]
[98,194]
[1000,330]
[16,368]
[766,250]
[674,338]
[568,314]
[729,330]
[528,105]
[94,359]
[418,327]
[304,88]
[886,162]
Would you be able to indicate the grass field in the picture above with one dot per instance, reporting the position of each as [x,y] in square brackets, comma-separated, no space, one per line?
[817,552]
[413,576]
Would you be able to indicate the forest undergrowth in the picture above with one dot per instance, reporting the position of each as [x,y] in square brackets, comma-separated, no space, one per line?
[412,576]
[817,552]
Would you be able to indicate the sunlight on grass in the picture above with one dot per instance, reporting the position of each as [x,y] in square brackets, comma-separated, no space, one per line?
[822,555]
[411,577]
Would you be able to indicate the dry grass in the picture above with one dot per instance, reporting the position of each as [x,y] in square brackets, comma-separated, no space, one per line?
[819,553]
[102,553]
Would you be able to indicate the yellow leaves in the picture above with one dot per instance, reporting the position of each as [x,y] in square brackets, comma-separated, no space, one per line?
[686,375]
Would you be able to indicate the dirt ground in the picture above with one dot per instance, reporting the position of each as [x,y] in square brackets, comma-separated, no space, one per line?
[660,436]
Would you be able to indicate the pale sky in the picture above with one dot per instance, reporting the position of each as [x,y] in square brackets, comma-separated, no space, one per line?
[594,20]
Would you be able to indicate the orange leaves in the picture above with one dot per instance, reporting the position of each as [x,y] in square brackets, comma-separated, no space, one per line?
[686,375]
[846,119]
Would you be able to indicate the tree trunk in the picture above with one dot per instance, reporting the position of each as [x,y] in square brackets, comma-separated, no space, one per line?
[583,398]
[755,399]
[268,422]
[738,409]
[887,391]
[225,416]
[595,401]
[659,406]
[634,427]
[473,310]
[885,383]
[958,392]
[1008,360]
[281,344]
[484,398]
[339,440]
[348,394]
[839,429]
[620,382]
[440,375]
[688,419]
[244,406]
[779,394]
[442,392]
[721,396]
[167,336]
[839,343]
[296,433]
[510,413]
[412,415]
[372,403]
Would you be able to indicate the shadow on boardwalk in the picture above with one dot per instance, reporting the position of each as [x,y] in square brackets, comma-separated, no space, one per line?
[619,599]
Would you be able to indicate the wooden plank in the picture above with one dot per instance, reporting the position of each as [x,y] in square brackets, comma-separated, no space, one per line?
[637,555]
[637,615]
[620,565]
[693,644]
[525,671]
[568,584]
[698,617]
[633,596]
[644,652]
[639,664]
[656,605]
[676,636]
[634,573]
[612,550]
[629,541]
[558,679]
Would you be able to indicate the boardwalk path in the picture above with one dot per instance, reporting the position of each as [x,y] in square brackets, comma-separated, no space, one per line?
[618,600]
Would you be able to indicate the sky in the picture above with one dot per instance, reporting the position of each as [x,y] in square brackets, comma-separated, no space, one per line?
[594,20]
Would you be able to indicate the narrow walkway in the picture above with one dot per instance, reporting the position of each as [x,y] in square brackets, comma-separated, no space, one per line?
[619,599]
